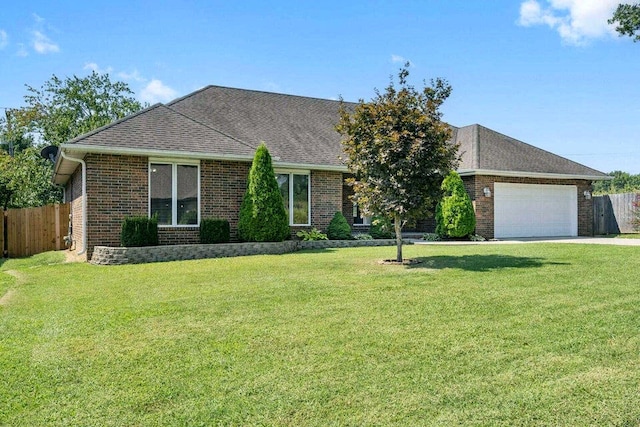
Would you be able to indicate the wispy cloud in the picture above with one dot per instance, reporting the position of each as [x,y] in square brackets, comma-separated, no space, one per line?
[132,76]
[397,59]
[4,39]
[156,91]
[92,66]
[576,21]
[43,44]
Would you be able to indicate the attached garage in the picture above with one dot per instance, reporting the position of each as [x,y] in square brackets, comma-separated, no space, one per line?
[535,210]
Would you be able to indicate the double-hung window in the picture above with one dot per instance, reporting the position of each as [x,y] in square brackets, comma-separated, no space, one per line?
[174,192]
[296,194]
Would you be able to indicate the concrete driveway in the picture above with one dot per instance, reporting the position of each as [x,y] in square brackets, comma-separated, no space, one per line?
[581,240]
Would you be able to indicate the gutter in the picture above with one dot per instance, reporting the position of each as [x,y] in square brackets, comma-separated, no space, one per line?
[521,174]
[84,199]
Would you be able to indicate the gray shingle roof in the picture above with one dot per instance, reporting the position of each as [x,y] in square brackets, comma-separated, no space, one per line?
[161,128]
[296,129]
[484,149]
[221,121]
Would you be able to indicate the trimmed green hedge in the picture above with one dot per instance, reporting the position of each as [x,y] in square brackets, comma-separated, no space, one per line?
[139,231]
[214,231]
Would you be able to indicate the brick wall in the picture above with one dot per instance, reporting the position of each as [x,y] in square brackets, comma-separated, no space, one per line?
[117,187]
[73,195]
[326,197]
[222,188]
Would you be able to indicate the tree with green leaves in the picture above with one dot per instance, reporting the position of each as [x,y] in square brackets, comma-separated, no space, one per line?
[62,109]
[455,216]
[25,180]
[263,217]
[399,151]
[627,20]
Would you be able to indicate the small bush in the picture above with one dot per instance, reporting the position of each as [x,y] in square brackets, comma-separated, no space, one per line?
[339,228]
[362,236]
[139,231]
[314,234]
[381,228]
[477,238]
[214,231]
[430,237]
[455,216]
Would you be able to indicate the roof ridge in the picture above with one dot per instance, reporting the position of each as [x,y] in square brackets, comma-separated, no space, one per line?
[109,125]
[246,144]
[259,91]
[536,148]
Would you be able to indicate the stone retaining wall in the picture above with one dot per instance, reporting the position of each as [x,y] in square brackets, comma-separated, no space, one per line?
[106,255]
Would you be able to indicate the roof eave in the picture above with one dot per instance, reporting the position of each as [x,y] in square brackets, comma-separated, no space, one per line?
[524,174]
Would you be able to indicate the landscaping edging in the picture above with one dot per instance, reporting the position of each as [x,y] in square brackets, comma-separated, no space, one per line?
[106,255]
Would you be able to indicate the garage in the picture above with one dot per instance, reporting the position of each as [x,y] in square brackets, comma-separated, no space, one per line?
[535,210]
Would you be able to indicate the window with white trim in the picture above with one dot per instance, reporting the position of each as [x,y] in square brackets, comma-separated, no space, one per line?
[174,193]
[295,188]
[358,217]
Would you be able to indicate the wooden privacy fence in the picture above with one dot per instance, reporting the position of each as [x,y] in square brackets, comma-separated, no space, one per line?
[31,231]
[613,213]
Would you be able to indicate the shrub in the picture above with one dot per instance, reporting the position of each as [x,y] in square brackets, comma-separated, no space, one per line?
[431,237]
[362,236]
[214,231]
[262,214]
[139,231]
[339,228]
[454,213]
[314,234]
[381,228]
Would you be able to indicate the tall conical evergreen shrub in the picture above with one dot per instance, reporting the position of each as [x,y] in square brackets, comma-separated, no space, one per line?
[454,213]
[262,214]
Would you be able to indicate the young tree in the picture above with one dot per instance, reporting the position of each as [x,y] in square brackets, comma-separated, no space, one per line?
[63,109]
[399,151]
[455,216]
[262,214]
[627,20]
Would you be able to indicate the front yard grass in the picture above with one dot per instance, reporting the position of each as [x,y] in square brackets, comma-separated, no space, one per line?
[527,334]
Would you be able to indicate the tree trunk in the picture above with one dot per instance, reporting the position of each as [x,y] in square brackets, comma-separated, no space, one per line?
[398,227]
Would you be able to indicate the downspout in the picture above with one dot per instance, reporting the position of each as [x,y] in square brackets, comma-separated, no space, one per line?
[84,199]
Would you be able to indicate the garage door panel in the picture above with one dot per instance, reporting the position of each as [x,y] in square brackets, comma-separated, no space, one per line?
[535,210]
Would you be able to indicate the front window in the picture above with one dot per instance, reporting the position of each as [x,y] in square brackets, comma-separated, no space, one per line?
[174,193]
[358,217]
[294,188]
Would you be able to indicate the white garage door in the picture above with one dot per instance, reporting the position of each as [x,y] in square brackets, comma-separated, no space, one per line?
[528,210]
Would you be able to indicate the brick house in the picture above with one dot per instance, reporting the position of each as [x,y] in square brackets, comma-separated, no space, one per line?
[189,159]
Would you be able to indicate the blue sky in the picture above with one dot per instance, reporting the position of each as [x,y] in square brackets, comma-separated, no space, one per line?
[551,73]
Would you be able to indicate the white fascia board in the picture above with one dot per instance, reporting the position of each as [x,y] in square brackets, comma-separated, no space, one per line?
[543,175]
[78,148]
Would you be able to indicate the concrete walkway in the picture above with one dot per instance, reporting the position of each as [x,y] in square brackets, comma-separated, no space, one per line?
[581,240]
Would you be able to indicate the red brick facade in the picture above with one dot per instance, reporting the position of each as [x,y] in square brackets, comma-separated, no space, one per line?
[118,186]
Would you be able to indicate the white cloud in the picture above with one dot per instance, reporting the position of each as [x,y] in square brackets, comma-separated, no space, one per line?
[156,91]
[43,44]
[92,66]
[577,21]
[134,75]
[4,39]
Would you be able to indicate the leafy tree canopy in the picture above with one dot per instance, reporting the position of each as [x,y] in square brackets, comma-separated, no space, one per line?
[399,151]
[622,182]
[62,109]
[627,20]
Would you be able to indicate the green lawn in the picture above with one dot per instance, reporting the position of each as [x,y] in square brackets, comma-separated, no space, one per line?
[527,334]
